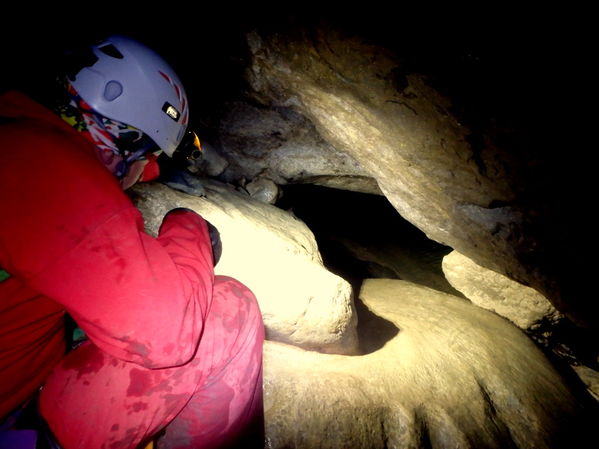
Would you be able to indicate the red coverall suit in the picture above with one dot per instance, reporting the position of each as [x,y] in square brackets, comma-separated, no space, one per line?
[171,344]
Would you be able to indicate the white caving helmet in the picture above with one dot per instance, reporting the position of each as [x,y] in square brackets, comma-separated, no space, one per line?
[128,82]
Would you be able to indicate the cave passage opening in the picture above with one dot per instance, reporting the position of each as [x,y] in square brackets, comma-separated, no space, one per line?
[362,235]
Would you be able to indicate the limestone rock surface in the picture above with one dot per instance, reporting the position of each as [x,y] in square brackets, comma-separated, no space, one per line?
[590,377]
[276,256]
[522,305]
[263,189]
[284,146]
[391,260]
[445,374]
[457,184]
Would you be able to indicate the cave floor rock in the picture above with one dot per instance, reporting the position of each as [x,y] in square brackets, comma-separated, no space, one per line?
[436,372]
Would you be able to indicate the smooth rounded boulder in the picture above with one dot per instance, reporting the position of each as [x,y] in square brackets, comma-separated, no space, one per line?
[436,372]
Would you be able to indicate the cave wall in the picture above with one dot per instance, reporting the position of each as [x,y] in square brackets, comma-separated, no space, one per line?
[471,169]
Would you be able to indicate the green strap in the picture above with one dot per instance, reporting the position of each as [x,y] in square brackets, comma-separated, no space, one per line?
[3,275]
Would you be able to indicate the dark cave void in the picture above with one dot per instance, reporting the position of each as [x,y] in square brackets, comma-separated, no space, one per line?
[337,217]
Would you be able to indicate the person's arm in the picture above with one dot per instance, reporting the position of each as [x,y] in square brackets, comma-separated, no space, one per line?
[70,232]
[140,299]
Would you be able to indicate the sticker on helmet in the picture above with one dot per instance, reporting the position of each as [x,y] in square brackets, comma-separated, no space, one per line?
[171,111]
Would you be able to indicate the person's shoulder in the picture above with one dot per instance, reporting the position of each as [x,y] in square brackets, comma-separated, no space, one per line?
[31,136]
[41,146]
[28,123]
[22,113]
[46,149]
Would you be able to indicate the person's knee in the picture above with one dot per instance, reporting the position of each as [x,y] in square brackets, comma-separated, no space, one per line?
[254,322]
[248,309]
[236,289]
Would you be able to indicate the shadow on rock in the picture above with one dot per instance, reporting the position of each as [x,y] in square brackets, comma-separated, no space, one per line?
[373,331]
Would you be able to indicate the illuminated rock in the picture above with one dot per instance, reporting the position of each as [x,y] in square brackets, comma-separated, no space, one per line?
[263,189]
[450,375]
[276,256]
[463,185]
[590,378]
[284,146]
[523,306]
